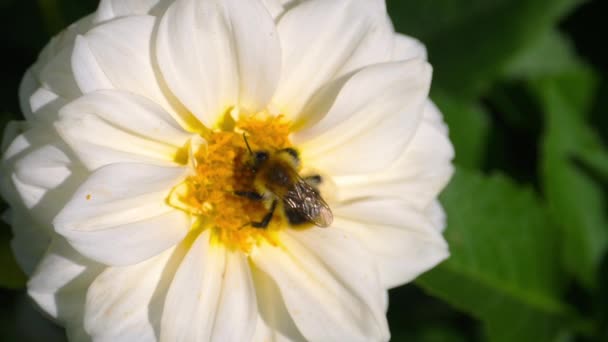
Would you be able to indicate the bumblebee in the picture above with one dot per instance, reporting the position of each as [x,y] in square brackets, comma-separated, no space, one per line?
[276,180]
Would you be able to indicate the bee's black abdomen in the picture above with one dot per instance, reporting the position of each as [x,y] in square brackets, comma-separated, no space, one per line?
[294,217]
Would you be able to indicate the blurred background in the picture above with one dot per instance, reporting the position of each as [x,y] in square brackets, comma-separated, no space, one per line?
[523,85]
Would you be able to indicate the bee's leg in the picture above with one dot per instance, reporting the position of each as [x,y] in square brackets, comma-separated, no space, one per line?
[252,195]
[266,220]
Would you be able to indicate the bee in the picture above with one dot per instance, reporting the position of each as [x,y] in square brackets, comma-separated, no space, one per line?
[276,179]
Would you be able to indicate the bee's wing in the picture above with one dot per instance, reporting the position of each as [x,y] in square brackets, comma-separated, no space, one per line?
[306,201]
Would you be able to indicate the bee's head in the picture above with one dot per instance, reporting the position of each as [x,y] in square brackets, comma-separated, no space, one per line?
[258,157]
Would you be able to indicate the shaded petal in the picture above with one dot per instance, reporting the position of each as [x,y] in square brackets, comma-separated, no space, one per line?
[118,216]
[45,179]
[417,176]
[20,147]
[402,240]
[57,76]
[124,303]
[61,42]
[53,69]
[39,173]
[11,132]
[101,61]
[30,240]
[46,167]
[218,54]
[324,39]
[50,83]
[328,297]
[97,128]
[60,282]
[366,125]
[223,308]
[27,87]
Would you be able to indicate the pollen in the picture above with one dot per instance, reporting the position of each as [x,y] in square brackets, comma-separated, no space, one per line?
[219,169]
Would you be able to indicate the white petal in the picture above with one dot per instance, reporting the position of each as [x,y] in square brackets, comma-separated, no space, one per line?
[263,333]
[88,74]
[405,47]
[274,7]
[211,297]
[117,55]
[437,215]
[433,116]
[111,9]
[125,303]
[274,322]
[367,124]
[60,282]
[323,39]
[402,240]
[119,216]
[326,301]
[194,293]
[375,46]
[99,131]
[237,310]
[218,54]
[417,176]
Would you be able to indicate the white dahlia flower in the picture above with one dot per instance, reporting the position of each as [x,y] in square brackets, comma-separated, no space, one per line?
[139,210]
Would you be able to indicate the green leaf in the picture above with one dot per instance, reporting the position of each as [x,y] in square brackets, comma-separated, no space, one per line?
[429,333]
[470,43]
[575,199]
[596,159]
[469,127]
[502,268]
[549,55]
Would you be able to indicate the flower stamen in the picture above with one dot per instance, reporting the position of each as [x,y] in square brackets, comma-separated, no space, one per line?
[221,168]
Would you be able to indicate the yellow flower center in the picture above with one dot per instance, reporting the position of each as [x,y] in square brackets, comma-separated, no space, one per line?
[222,167]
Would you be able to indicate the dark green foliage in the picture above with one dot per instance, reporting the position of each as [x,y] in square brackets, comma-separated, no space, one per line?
[523,87]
